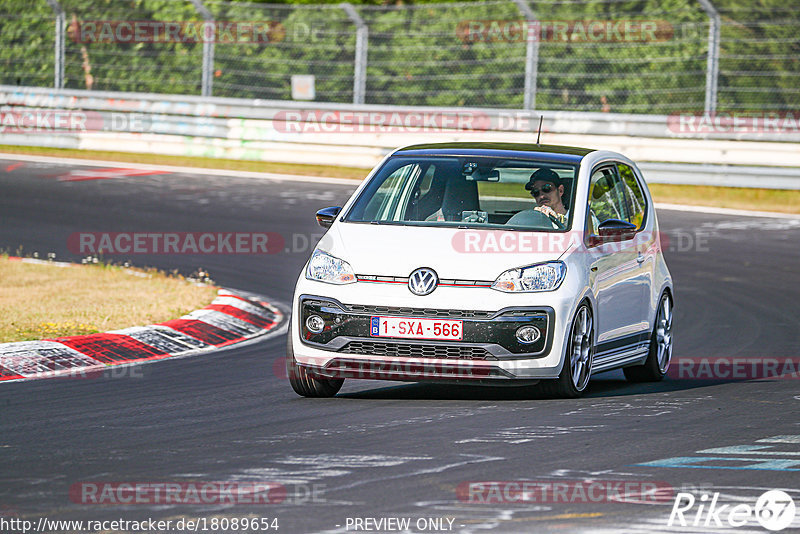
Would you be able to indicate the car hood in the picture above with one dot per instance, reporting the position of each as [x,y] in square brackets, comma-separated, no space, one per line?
[454,253]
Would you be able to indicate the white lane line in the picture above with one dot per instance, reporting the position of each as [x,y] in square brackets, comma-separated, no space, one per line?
[175,169]
[525,434]
[352,461]
[780,439]
[747,450]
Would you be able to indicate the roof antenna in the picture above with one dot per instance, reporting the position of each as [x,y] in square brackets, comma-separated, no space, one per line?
[539,135]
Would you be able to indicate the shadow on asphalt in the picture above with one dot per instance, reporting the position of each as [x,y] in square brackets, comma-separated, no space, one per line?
[598,388]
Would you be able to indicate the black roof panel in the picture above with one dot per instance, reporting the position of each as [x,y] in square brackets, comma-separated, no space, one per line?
[564,154]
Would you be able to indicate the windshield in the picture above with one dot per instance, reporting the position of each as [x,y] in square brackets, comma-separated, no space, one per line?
[469,191]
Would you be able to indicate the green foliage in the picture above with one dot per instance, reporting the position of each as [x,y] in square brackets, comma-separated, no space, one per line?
[26,44]
[419,53]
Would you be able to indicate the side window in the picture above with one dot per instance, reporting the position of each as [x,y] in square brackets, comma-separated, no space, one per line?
[389,200]
[606,198]
[427,180]
[634,198]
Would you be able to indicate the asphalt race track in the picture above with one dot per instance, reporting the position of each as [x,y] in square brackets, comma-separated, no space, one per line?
[392,450]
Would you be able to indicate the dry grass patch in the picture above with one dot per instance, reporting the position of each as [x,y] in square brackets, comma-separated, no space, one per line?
[780,200]
[46,301]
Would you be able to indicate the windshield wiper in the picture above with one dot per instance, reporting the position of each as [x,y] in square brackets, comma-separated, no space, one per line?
[389,223]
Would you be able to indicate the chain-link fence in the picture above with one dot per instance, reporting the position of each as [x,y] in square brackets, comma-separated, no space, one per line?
[759,59]
[635,56]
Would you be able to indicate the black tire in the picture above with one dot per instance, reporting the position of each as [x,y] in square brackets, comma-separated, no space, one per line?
[581,332]
[305,383]
[655,366]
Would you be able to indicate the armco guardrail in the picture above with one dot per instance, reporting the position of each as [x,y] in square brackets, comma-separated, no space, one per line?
[670,147]
[727,175]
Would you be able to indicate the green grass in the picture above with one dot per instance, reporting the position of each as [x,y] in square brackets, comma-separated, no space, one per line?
[778,200]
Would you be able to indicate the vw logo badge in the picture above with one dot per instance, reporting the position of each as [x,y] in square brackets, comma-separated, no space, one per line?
[423,281]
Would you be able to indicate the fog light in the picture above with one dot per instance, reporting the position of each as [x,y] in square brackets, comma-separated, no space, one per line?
[315,324]
[528,334]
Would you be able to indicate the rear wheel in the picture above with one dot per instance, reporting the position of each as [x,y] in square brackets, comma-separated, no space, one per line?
[577,368]
[655,367]
[305,383]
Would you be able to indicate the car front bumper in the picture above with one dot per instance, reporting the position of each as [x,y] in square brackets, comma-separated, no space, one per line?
[488,351]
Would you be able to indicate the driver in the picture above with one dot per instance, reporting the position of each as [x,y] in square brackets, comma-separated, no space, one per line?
[547,188]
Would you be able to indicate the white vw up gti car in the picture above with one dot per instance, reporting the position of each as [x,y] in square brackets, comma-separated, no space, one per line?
[486,263]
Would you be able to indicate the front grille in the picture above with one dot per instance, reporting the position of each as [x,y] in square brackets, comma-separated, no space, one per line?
[404,280]
[418,312]
[409,350]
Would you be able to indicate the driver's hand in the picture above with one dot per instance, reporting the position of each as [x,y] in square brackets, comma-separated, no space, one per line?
[550,212]
[547,210]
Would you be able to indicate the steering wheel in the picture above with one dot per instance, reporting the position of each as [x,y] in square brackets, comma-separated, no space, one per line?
[535,219]
[557,222]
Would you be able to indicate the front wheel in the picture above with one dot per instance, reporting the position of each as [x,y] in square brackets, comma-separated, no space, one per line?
[657,362]
[303,382]
[577,368]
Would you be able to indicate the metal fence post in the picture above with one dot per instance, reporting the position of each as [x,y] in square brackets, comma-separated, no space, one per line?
[58,74]
[362,42]
[712,68]
[531,54]
[209,36]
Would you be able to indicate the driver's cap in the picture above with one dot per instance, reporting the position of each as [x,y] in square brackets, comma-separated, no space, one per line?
[544,174]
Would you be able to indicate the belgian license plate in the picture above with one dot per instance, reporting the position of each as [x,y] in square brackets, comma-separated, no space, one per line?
[410,328]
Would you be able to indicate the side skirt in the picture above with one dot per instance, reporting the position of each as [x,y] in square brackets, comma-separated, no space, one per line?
[620,352]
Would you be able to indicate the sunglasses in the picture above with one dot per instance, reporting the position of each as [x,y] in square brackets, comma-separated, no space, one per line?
[546,188]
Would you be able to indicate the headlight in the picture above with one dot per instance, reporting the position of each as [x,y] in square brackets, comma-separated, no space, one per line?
[540,277]
[326,268]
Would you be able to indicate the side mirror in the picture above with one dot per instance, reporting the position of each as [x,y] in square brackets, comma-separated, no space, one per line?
[326,216]
[613,230]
